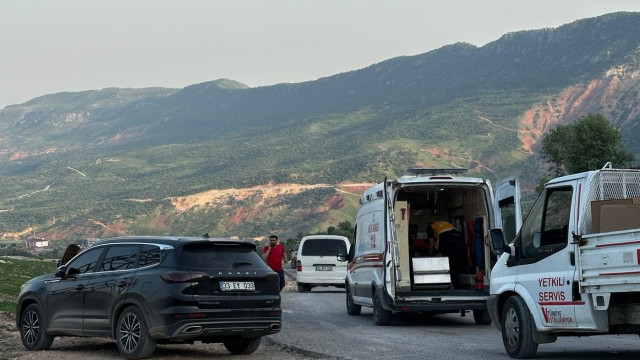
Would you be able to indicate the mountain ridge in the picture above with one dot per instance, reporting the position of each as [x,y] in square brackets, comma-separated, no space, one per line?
[485,108]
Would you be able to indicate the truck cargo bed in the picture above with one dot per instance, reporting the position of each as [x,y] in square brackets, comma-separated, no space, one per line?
[609,262]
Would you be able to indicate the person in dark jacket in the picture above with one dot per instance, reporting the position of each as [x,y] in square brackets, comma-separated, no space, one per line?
[446,240]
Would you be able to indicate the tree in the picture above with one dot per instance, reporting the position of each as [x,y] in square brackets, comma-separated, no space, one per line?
[554,147]
[587,144]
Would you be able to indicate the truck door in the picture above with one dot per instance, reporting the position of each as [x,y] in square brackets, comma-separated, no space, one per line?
[543,260]
[507,208]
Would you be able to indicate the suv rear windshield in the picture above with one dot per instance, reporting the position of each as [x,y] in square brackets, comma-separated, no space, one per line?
[212,256]
[320,247]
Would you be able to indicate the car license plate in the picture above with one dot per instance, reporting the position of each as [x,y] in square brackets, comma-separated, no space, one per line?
[324,268]
[237,286]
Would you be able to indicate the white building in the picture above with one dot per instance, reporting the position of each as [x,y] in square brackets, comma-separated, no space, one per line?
[89,242]
[37,242]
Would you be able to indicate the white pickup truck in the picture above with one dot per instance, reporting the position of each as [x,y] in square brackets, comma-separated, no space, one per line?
[573,269]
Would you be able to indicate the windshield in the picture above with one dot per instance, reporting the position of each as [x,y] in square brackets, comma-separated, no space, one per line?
[212,256]
[321,247]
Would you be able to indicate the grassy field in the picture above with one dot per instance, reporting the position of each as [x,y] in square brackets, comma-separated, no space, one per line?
[14,273]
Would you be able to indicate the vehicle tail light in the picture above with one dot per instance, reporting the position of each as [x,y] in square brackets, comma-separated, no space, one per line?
[184,276]
[298,265]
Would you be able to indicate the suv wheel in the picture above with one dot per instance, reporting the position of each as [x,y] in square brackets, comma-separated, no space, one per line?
[132,335]
[32,330]
[244,346]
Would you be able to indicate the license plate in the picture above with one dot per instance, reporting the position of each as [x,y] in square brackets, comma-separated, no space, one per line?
[324,268]
[237,286]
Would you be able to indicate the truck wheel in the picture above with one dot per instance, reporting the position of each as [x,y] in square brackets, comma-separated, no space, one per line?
[517,329]
[352,309]
[32,330]
[381,316]
[481,317]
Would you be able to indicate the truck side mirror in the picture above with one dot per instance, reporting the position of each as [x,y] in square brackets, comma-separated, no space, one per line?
[498,245]
[342,252]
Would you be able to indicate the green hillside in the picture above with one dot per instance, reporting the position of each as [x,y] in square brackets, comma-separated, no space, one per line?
[113,161]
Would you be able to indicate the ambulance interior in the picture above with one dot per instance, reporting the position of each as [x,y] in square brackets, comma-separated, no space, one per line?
[464,266]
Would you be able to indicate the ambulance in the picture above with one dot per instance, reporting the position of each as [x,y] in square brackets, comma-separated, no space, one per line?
[574,267]
[390,266]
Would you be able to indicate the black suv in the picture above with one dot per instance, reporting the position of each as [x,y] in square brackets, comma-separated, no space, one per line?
[142,291]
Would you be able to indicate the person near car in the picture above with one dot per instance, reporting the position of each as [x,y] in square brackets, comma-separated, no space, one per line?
[274,254]
[71,251]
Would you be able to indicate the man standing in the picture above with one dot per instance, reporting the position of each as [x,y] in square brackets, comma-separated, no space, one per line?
[445,239]
[274,255]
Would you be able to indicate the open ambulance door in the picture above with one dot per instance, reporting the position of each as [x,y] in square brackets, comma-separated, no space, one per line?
[390,258]
[507,208]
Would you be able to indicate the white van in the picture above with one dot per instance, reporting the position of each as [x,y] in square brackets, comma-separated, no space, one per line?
[390,268]
[317,264]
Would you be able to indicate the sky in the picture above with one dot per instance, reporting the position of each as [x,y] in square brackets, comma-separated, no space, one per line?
[50,46]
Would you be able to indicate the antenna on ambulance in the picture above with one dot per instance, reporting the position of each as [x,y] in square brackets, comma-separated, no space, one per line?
[423,171]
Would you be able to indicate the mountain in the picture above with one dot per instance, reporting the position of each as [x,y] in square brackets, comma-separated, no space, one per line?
[223,158]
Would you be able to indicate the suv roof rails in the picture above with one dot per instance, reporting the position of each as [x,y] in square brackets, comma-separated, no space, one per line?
[423,171]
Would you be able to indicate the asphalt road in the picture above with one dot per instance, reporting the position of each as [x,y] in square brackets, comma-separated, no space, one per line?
[316,326]
[316,323]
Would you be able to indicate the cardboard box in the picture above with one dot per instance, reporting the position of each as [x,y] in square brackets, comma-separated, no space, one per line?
[616,214]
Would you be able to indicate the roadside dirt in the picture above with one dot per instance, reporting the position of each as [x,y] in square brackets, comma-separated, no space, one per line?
[211,197]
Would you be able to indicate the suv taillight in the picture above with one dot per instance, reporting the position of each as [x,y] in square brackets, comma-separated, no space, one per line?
[298,265]
[184,276]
